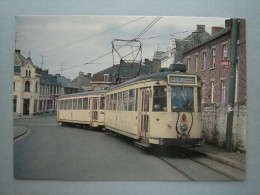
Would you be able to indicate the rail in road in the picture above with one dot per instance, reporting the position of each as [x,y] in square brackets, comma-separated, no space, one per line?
[197,167]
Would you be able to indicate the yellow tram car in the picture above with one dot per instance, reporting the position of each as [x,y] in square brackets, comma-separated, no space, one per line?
[158,109]
[85,108]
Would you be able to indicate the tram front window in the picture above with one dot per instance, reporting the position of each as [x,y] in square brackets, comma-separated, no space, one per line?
[182,99]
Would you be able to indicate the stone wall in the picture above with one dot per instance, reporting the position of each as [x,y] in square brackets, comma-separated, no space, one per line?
[214,121]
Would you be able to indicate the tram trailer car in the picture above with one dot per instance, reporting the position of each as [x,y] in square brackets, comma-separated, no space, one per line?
[86,108]
[158,109]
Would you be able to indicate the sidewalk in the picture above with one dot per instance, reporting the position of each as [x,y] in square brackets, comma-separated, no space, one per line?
[235,159]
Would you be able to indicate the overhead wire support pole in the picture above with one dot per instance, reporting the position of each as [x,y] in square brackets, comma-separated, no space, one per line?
[232,81]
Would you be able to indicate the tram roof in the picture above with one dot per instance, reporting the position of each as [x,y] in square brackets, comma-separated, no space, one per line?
[100,92]
[156,76]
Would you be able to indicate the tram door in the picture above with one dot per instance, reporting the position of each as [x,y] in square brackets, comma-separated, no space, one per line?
[94,109]
[144,113]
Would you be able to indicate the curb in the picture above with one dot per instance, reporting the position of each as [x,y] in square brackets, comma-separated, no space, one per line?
[25,130]
[224,160]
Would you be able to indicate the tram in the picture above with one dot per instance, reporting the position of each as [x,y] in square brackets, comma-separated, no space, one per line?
[158,109]
[86,108]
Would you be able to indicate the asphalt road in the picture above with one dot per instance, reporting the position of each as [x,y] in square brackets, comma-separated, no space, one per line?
[51,151]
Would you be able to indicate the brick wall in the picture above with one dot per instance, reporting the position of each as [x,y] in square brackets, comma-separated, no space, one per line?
[214,120]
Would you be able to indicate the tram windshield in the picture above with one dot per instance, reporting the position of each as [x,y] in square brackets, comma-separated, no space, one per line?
[182,99]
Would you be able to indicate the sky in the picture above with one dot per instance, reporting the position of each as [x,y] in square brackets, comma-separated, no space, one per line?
[84,43]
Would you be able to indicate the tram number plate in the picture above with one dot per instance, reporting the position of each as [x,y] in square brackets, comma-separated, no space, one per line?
[180,79]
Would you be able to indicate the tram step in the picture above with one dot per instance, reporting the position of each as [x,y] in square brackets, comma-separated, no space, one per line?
[142,145]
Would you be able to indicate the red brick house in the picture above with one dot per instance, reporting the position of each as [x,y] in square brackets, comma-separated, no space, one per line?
[205,58]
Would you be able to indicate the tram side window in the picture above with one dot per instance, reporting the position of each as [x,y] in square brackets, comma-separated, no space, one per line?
[119,105]
[125,99]
[110,102]
[75,104]
[136,99]
[107,102]
[131,105]
[85,103]
[70,104]
[160,99]
[66,104]
[79,103]
[61,105]
[102,103]
[182,99]
[115,101]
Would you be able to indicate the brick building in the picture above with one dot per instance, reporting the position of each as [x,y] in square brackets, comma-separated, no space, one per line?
[204,59]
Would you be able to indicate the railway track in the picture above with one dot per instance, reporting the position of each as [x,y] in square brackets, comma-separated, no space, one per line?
[197,167]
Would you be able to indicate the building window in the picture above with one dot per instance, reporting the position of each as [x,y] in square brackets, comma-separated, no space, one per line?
[27,85]
[14,105]
[106,76]
[203,92]
[212,91]
[204,60]
[36,86]
[196,63]
[188,64]
[224,52]
[14,85]
[223,91]
[213,58]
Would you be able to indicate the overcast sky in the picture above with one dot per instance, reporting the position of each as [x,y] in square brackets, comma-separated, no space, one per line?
[77,40]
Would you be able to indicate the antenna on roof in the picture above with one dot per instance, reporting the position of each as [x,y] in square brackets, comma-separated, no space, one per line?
[42,60]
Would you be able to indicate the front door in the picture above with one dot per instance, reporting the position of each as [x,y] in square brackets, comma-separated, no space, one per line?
[144,112]
[26,106]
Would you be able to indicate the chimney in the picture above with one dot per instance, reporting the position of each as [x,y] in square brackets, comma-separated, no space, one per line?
[18,51]
[57,75]
[81,73]
[89,74]
[200,28]
[216,29]
[228,23]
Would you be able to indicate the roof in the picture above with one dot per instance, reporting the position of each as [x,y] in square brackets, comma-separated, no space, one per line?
[48,79]
[127,69]
[156,76]
[18,59]
[211,38]
[100,92]
[66,83]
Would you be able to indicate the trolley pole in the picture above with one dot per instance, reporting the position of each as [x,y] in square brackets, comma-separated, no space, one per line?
[232,81]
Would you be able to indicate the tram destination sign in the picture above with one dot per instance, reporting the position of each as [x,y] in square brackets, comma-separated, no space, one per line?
[181,80]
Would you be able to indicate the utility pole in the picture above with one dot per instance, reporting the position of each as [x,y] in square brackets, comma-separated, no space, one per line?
[42,60]
[232,81]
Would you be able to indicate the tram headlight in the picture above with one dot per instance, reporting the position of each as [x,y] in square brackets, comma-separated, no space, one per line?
[183,127]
